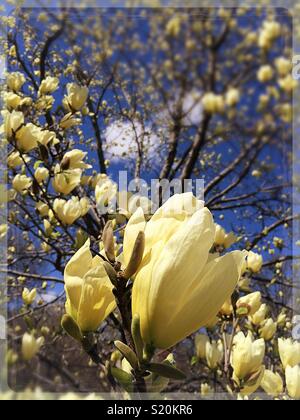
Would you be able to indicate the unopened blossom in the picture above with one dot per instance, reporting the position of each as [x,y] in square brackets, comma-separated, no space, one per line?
[214,353]
[69,121]
[288,83]
[31,346]
[224,239]
[15,81]
[259,316]
[213,103]
[272,383]
[200,343]
[69,211]
[251,302]
[41,175]
[42,208]
[21,183]
[105,191]
[254,262]
[75,159]
[29,296]
[283,66]
[48,85]
[76,96]
[232,97]
[268,329]
[14,160]
[265,73]
[66,181]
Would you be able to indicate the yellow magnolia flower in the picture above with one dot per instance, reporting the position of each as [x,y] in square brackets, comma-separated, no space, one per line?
[12,122]
[106,191]
[89,290]
[268,329]
[289,352]
[49,85]
[69,121]
[259,316]
[288,83]
[12,100]
[66,181]
[27,137]
[252,302]
[29,296]
[227,308]
[214,353]
[15,81]
[14,160]
[31,346]
[44,103]
[174,26]
[282,318]
[224,239]
[247,360]
[75,159]
[21,183]
[265,74]
[76,97]
[232,97]
[69,211]
[41,175]
[179,287]
[254,262]
[272,383]
[42,208]
[46,137]
[213,104]
[271,30]
[292,376]
[200,343]
[283,66]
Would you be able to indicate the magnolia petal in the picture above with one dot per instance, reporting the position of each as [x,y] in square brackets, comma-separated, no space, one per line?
[97,300]
[136,224]
[191,243]
[141,288]
[216,284]
[74,272]
[170,217]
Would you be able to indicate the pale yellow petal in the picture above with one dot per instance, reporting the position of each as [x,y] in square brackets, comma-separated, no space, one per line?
[97,300]
[135,225]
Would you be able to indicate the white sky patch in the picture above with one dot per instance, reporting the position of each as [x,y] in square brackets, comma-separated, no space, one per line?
[122,136]
[192,108]
[122,139]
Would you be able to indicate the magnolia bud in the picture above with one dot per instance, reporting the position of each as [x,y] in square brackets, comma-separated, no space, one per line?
[137,338]
[136,257]
[109,242]
[110,271]
[71,328]
[128,354]
[124,378]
